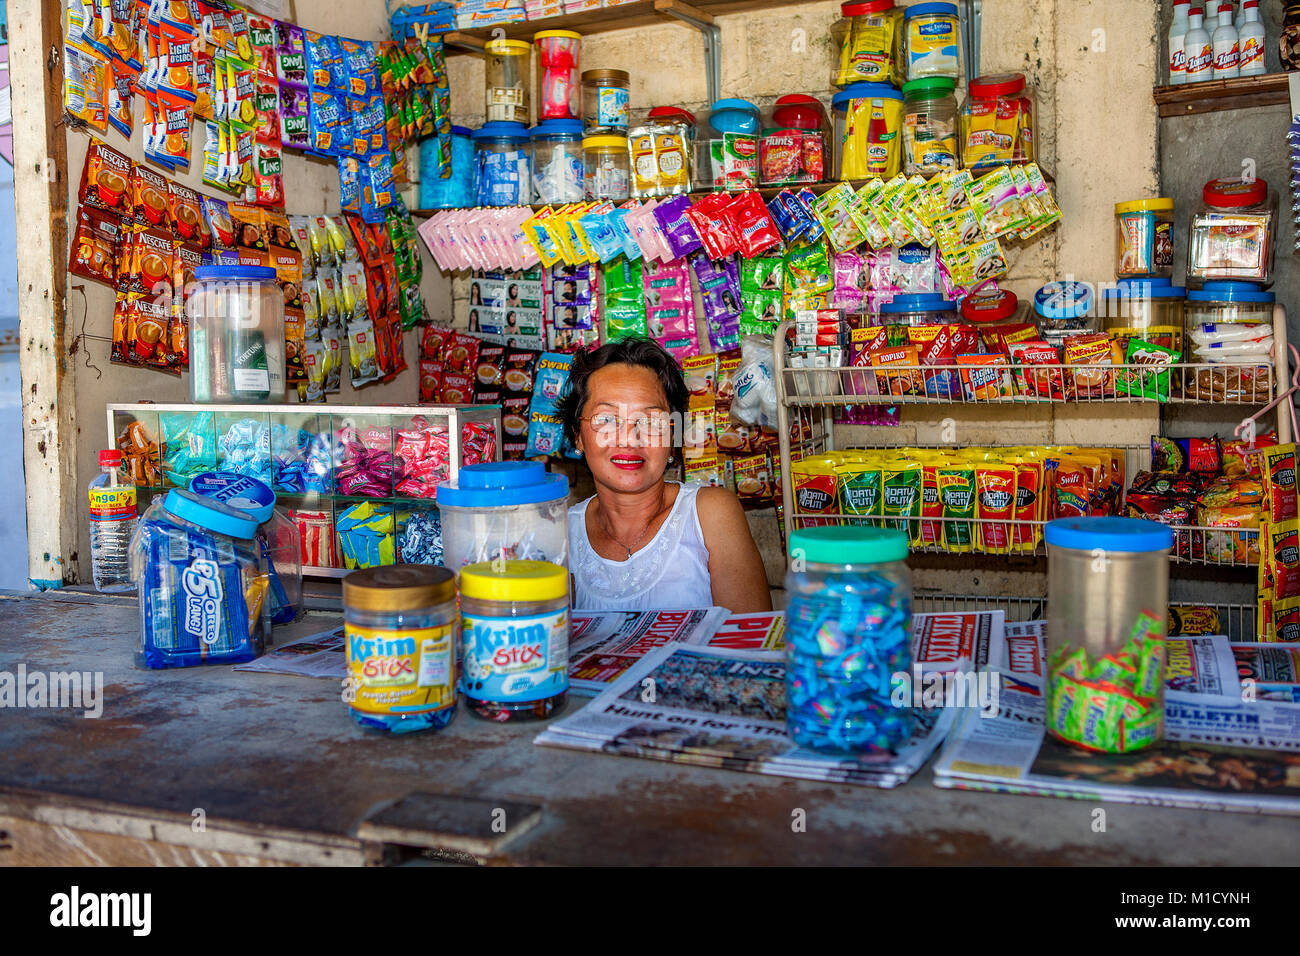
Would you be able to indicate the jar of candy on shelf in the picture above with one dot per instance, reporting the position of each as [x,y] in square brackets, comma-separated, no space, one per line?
[605,98]
[867,137]
[502,165]
[848,631]
[1234,232]
[997,122]
[606,167]
[792,149]
[930,126]
[1144,240]
[867,41]
[557,161]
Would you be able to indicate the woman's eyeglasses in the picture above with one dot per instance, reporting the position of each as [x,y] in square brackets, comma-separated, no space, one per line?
[652,428]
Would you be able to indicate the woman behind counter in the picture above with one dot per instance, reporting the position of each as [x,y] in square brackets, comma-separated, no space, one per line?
[642,542]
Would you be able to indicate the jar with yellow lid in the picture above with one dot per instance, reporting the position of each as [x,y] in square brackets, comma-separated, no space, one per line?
[1144,239]
[400,629]
[508,72]
[515,628]
[606,167]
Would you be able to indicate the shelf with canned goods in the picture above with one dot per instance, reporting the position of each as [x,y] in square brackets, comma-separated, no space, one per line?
[359,481]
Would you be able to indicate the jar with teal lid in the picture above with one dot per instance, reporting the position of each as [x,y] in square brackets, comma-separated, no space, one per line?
[931,43]
[201,581]
[1150,310]
[457,191]
[515,630]
[848,632]
[399,626]
[930,126]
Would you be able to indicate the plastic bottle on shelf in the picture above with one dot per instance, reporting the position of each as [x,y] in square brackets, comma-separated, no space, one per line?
[1178,30]
[1224,43]
[1250,41]
[1199,56]
[112,524]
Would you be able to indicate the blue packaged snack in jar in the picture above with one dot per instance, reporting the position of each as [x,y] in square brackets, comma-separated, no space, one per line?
[502,170]
[848,631]
[201,582]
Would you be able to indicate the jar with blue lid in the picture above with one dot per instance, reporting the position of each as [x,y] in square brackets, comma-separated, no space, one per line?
[1224,302]
[502,166]
[729,156]
[457,191]
[919,308]
[848,632]
[277,536]
[1107,605]
[202,583]
[557,161]
[931,43]
[868,131]
[236,318]
[1065,308]
[504,510]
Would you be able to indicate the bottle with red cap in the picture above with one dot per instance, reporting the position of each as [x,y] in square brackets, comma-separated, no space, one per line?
[1198,53]
[1233,233]
[112,524]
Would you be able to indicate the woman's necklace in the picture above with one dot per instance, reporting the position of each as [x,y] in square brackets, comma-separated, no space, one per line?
[635,544]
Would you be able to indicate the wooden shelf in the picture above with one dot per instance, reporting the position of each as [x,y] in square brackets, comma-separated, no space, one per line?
[1245,92]
[628,16]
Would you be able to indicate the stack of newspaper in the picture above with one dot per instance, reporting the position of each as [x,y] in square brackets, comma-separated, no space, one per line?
[1232,728]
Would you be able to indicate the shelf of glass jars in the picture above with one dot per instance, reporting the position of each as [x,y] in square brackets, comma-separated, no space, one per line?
[625,16]
[1211,96]
[1003,538]
[991,384]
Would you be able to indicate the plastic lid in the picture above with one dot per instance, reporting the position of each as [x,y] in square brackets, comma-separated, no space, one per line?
[461,131]
[845,544]
[1234,193]
[607,76]
[1126,535]
[501,129]
[110,456]
[1225,291]
[929,88]
[734,116]
[1144,289]
[864,8]
[514,581]
[557,34]
[919,302]
[1140,205]
[209,513]
[672,113]
[997,84]
[989,306]
[241,492]
[1063,300]
[399,587]
[930,9]
[498,484]
[235,273]
[605,142]
[798,111]
[556,128]
[508,47]
[863,91]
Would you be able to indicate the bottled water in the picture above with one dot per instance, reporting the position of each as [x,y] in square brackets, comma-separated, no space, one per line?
[112,524]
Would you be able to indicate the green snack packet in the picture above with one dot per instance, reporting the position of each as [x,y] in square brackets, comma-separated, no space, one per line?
[808,268]
[957,495]
[900,483]
[1141,382]
[860,490]
[1151,668]
[764,274]
[1097,719]
[1139,733]
[1063,694]
[1071,664]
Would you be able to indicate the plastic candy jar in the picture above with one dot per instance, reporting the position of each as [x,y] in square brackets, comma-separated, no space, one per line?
[504,509]
[606,167]
[997,122]
[1107,603]
[515,628]
[236,336]
[1234,232]
[931,41]
[400,627]
[560,89]
[502,169]
[868,123]
[930,125]
[605,98]
[1144,239]
[848,631]
[922,308]
[1145,309]
[557,161]
[867,39]
[508,73]
[793,149]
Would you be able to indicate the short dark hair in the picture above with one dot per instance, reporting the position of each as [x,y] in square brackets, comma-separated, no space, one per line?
[642,352]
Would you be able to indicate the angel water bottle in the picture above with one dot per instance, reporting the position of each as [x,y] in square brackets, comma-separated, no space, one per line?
[112,524]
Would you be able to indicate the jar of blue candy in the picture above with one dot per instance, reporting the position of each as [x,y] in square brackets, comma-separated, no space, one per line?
[848,631]
[502,165]
[457,191]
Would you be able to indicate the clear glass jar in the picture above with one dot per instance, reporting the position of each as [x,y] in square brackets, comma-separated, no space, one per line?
[1233,233]
[515,627]
[508,74]
[997,122]
[400,625]
[1146,310]
[202,583]
[930,126]
[867,41]
[923,308]
[502,509]
[502,165]
[1106,631]
[931,43]
[1144,239]
[848,631]
[605,100]
[606,167]
[557,161]
[867,134]
[236,336]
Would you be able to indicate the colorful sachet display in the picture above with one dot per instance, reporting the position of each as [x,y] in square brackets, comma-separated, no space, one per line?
[1111,703]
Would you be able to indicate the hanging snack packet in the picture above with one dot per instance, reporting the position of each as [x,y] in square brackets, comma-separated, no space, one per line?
[268,181]
[752,226]
[83,88]
[1278,467]
[997,203]
[118,87]
[361,353]
[678,231]
[995,485]
[216,213]
[712,226]
[106,181]
[94,244]
[294,120]
[1026,533]
[957,496]
[248,226]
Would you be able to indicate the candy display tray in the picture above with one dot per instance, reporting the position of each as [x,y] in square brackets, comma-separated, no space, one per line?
[280,458]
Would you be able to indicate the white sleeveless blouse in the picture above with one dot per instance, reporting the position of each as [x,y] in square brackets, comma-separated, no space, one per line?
[672,571]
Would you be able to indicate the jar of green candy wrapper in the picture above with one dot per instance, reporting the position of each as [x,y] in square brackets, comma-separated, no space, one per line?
[848,631]
[1108,603]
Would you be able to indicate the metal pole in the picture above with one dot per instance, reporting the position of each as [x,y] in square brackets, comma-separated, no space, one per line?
[712,39]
